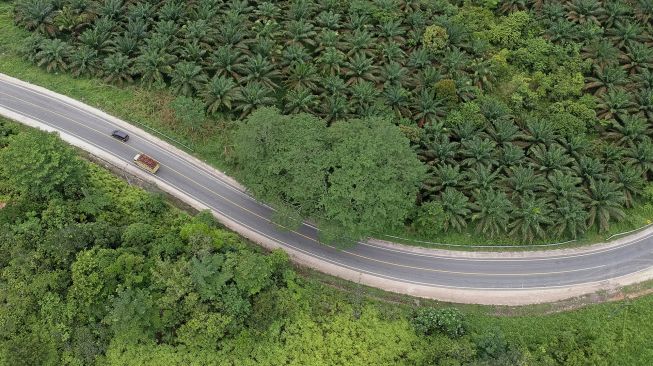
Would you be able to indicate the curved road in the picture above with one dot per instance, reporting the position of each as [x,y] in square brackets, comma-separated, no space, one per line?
[500,278]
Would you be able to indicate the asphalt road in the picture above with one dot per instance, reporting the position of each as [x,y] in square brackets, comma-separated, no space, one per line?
[432,270]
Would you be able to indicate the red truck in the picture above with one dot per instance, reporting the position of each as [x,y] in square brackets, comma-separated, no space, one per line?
[147,163]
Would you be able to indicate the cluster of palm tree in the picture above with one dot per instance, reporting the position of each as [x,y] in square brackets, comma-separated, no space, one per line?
[517,175]
[512,174]
[617,37]
[324,57]
[526,180]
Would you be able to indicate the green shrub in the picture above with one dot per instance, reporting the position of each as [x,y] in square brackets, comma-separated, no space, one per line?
[435,37]
[430,218]
[448,321]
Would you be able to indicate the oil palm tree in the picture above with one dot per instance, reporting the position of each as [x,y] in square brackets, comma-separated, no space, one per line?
[36,15]
[569,217]
[300,100]
[455,206]
[252,96]
[141,10]
[125,44]
[491,212]
[192,51]
[398,99]
[84,62]
[294,53]
[136,28]
[261,70]
[539,132]
[391,52]
[301,9]
[576,145]
[219,93]
[117,69]
[480,178]
[605,202]
[606,78]
[522,180]
[641,155]
[584,11]
[644,11]
[171,10]
[329,20]
[631,181]
[429,107]
[226,61]
[466,129]
[360,67]
[330,61]
[625,33]
[199,31]
[532,215]
[360,42]
[420,58]
[615,103]
[394,73]
[72,20]
[334,107]
[154,65]
[615,11]
[509,156]
[328,38]
[483,74]
[549,159]
[645,102]
[363,96]
[504,130]
[111,9]
[187,78]
[478,151]
[630,131]
[53,55]
[392,31]
[590,169]
[97,39]
[561,31]
[563,186]
[300,32]
[331,85]
[602,53]
[511,6]
[436,146]
[302,75]
[442,176]
[637,58]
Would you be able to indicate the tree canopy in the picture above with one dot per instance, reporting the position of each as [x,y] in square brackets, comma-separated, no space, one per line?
[360,174]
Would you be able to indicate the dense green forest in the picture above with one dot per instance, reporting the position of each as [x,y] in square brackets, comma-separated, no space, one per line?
[94,271]
[532,118]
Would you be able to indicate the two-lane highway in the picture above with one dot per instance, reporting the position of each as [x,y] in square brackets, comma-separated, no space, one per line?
[476,278]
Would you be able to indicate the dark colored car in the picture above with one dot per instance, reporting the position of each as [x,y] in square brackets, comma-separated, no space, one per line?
[120,135]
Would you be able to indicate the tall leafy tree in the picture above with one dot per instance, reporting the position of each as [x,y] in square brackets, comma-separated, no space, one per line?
[40,165]
[374,176]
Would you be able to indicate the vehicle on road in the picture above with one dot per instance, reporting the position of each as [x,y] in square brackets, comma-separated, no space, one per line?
[146,163]
[120,135]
